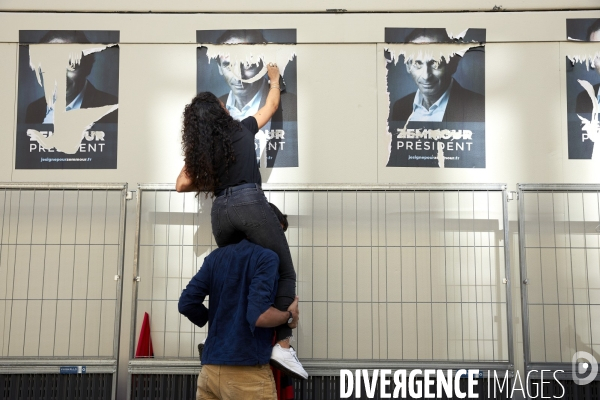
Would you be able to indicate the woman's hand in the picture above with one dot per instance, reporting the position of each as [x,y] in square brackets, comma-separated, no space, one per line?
[273,72]
[293,308]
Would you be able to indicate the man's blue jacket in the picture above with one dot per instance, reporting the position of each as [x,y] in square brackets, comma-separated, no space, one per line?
[241,282]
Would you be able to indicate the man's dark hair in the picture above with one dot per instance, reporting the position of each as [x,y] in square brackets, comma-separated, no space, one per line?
[593,28]
[68,36]
[280,216]
[438,34]
[249,35]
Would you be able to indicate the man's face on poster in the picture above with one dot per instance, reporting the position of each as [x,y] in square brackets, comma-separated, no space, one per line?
[76,77]
[431,76]
[77,73]
[246,71]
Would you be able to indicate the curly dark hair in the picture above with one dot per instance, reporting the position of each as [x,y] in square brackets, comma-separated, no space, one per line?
[206,141]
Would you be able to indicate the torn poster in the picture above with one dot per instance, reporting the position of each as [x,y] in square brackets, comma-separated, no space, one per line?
[583,29]
[232,65]
[436,92]
[583,96]
[67,100]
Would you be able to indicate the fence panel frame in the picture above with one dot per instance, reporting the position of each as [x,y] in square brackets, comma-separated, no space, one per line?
[328,367]
[99,365]
[522,189]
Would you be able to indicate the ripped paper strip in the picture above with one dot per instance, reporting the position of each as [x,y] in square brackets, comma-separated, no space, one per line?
[435,51]
[453,35]
[50,63]
[252,54]
[590,60]
[458,36]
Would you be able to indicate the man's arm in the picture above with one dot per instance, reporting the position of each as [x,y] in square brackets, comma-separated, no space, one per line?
[272,103]
[192,298]
[184,183]
[262,288]
[273,317]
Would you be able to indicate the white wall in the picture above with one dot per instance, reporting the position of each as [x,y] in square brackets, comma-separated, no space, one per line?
[295,6]
[342,107]
[342,103]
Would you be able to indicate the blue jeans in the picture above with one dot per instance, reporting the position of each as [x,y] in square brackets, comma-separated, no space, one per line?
[247,213]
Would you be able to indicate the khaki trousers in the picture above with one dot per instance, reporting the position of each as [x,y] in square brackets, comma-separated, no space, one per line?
[228,382]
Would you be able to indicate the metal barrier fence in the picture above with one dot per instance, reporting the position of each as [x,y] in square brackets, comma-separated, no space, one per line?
[393,275]
[177,387]
[559,235]
[61,260]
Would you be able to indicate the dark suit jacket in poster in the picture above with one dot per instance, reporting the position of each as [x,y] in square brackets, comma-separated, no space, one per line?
[584,103]
[92,97]
[463,106]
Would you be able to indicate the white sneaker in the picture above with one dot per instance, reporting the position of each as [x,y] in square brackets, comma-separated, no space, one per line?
[286,361]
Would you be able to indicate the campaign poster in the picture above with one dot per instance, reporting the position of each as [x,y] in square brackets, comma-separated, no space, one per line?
[583,96]
[232,65]
[583,29]
[436,92]
[67,110]
[583,90]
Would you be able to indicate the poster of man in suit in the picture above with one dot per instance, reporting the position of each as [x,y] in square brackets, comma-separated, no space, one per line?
[243,88]
[67,100]
[436,87]
[583,90]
